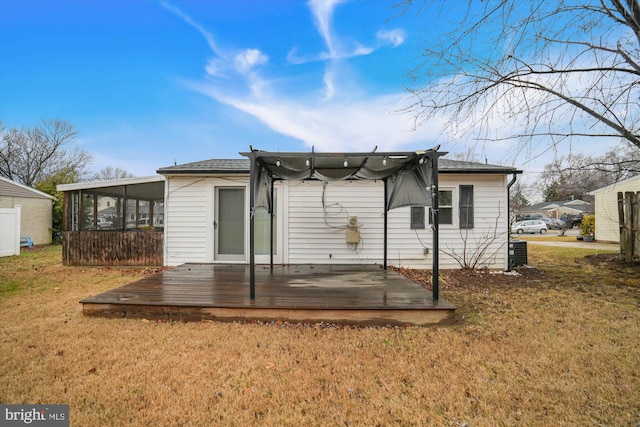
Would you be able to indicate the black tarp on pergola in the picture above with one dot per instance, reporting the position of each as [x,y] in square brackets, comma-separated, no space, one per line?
[410,179]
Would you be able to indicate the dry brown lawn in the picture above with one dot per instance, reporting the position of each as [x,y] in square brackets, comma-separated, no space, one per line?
[557,345]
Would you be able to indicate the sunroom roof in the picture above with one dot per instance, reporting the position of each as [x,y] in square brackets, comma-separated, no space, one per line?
[147,187]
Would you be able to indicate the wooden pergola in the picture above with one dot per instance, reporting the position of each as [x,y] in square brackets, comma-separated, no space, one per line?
[410,179]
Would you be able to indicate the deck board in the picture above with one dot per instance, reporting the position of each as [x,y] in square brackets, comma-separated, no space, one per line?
[356,294]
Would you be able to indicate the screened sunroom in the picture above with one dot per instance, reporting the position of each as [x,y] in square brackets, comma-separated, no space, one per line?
[115,222]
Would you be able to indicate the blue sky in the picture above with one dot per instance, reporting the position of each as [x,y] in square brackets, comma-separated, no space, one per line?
[148,82]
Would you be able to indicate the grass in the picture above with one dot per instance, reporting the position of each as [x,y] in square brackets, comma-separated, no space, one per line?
[558,345]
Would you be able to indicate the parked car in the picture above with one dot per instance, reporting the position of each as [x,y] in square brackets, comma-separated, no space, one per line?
[571,220]
[530,226]
[104,223]
[552,223]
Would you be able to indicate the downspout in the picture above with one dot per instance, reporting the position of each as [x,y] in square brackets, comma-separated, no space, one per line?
[513,181]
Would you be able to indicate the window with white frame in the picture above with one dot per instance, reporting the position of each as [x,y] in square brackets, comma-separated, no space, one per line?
[446,203]
[445,207]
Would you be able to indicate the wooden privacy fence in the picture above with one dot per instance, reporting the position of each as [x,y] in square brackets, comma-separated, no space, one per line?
[629,220]
[119,248]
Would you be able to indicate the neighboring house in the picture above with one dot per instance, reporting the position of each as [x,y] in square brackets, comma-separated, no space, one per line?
[36,209]
[559,209]
[339,222]
[206,217]
[606,208]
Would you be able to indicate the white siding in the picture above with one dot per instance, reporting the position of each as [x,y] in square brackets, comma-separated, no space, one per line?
[490,222]
[187,219]
[606,209]
[310,237]
[311,240]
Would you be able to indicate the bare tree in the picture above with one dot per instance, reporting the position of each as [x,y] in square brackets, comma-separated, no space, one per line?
[479,249]
[30,155]
[619,163]
[110,172]
[555,69]
[573,176]
[518,199]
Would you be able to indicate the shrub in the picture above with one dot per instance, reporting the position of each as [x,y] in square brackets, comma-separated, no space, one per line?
[588,225]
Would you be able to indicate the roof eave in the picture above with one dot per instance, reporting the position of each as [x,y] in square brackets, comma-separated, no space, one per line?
[203,172]
[481,172]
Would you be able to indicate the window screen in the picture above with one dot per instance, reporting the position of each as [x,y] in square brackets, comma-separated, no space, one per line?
[466,206]
[417,217]
[445,207]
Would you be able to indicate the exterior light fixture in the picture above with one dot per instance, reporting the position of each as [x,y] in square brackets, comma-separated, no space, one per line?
[278,163]
[346,164]
[384,161]
[307,162]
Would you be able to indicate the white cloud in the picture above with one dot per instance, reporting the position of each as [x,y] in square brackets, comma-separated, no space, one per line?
[339,126]
[215,67]
[393,37]
[322,11]
[342,118]
[249,58]
[186,18]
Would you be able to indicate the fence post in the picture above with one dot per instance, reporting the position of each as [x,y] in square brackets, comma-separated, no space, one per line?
[18,209]
[625,253]
[629,221]
[634,224]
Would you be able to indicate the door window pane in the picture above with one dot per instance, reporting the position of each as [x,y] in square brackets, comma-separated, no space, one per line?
[231,221]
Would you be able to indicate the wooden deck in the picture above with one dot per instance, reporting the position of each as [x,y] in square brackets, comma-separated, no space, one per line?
[347,294]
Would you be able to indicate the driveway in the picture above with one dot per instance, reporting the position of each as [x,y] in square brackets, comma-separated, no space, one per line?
[571,241]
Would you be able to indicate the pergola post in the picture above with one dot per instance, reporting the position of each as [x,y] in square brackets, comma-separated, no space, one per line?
[386,226]
[435,226]
[272,219]
[252,202]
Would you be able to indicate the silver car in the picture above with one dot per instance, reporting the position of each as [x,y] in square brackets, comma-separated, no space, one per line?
[529,226]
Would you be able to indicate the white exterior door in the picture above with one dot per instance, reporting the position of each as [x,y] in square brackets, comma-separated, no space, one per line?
[229,224]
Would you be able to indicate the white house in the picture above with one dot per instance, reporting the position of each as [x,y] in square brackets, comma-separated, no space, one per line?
[559,209]
[207,218]
[36,209]
[606,208]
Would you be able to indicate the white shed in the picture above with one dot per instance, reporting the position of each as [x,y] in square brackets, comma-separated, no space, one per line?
[207,218]
[606,208]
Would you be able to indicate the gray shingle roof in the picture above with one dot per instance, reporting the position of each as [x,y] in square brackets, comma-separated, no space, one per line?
[13,189]
[208,166]
[459,166]
[241,166]
[579,205]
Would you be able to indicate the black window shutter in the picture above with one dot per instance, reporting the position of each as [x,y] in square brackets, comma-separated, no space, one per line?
[466,206]
[417,217]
